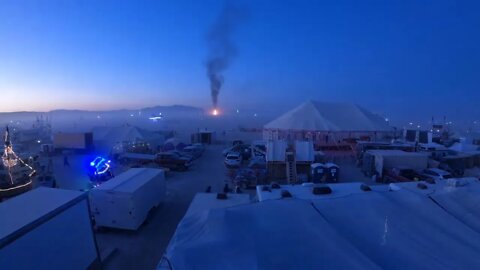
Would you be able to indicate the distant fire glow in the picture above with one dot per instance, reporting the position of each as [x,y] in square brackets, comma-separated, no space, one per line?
[215,112]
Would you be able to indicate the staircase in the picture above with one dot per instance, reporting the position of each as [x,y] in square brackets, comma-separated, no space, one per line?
[291,165]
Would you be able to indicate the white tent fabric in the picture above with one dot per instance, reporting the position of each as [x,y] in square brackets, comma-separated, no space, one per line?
[326,116]
[403,230]
[463,203]
[464,147]
[458,196]
[280,234]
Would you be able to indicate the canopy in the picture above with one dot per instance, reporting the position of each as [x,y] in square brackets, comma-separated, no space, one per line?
[326,116]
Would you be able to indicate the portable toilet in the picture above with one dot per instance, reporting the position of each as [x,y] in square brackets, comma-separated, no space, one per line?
[317,172]
[331,172]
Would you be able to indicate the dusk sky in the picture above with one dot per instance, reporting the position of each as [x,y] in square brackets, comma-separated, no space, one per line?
[400,58]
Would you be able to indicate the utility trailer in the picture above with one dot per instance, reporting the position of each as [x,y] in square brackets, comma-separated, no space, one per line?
[47,229]
[125,201]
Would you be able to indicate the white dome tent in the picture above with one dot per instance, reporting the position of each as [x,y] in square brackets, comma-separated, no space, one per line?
[327,123]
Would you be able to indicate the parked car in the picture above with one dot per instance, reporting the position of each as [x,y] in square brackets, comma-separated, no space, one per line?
[199,146]
[233,160]
[193,151]
[437,174]
[182,154]
[237,142]
[173,161]
[243,149]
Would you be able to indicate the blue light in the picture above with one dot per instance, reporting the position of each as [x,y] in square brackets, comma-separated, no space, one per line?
[101,165]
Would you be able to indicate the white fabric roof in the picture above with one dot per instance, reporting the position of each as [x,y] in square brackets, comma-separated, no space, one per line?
[326,116]
[269,235]
[400,229]
[463,203]
[403,230]
[458,196]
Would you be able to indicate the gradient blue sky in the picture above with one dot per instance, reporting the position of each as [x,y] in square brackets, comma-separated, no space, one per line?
[401,58]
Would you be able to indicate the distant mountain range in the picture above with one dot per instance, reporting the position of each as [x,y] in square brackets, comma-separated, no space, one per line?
[173,108]
[171,111]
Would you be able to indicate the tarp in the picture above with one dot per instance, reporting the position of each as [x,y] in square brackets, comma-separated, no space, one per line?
[280,234]
[402,230]
[326,116]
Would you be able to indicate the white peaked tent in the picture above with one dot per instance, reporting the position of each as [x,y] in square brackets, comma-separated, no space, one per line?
[313,119]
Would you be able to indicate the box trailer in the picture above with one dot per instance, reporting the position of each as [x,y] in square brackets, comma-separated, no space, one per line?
[375,161]
[125,201]
[47,229]
[73,141]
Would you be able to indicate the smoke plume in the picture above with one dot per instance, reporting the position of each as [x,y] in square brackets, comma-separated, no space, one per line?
[221,48]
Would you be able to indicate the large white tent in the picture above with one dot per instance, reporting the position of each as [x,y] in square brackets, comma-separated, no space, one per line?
[313,119]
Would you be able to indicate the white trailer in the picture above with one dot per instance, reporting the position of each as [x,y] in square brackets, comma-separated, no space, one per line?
[47,229]
[124,201]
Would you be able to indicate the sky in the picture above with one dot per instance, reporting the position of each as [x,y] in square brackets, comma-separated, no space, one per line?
[404,59]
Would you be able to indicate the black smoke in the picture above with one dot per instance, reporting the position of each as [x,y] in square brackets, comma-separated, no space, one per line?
[221,48]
